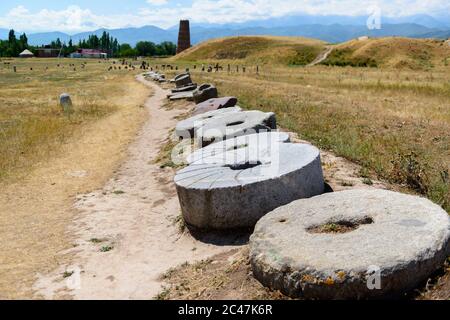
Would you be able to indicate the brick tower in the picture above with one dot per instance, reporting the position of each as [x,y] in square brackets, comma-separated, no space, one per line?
[184,36]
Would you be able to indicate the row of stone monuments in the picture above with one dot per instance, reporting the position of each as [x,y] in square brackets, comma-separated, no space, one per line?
[307,242]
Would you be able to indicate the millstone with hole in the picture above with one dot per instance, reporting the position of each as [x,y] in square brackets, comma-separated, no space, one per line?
[190,87]
[204,92]
[178,76]
[183,80]
[353,244]
[237,193]
[186,128]
[181,95]
[234,125]
[214,104]
[256,145]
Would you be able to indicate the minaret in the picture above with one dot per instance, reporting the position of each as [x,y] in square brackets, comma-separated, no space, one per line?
[184,36]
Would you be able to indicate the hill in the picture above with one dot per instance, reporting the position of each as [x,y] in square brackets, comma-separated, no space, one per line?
[392,53]
[255,50]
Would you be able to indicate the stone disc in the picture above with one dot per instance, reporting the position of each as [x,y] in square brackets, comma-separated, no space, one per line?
[204,93]
[214,104]
[183,80]
[233,125]
[181,95]
[187,128]
[237,194]
[255,144]
[190,87]
[353,244]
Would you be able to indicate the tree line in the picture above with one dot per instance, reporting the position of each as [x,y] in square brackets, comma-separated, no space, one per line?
[106,43]
[13,46]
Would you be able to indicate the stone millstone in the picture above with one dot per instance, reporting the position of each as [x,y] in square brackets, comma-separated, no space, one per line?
[214,104]
[205,92]
[233,125]
[256,145]
[181,95]
[401,239]
[183,80]
[186,128]
[178,77]
[237,194]
[190,87]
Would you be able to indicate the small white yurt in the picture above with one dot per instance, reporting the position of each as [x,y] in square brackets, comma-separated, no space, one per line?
[26,54]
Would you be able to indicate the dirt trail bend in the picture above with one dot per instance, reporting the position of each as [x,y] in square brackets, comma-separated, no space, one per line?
[126,237]
[321,57]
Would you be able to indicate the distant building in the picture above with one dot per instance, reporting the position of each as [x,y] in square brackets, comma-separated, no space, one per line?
[26,54]
[363,38]
[89,53]
[47,52]
[184,36]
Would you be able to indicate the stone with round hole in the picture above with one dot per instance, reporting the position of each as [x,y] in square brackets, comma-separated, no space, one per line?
[188,95]
[187,127]
[205,92]
[177,77]
[233,125]
[255,144]
[183,80]
[237,192]
[214,104]
[355,244]
[190,87]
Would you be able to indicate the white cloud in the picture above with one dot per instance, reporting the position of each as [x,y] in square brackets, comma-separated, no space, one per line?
[157,2]
[165,13]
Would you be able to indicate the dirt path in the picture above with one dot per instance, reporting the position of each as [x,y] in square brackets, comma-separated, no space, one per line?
[126,234]
[321,57]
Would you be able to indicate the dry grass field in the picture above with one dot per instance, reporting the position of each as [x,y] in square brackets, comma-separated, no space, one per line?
[31,121]
[48,158]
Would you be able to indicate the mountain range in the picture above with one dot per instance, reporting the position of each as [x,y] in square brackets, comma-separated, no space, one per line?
[328,28]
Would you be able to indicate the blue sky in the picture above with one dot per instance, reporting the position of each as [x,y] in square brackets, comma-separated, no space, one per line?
[83,15]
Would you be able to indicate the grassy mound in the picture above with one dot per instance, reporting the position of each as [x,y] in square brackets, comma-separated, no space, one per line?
[255,50]
[399,53]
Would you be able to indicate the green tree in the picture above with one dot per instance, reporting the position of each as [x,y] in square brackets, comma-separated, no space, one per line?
[146,48]
[125,50]
[166,48]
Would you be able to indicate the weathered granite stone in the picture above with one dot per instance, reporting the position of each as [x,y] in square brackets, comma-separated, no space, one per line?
[155,76]
[256,145]
[178,76]
[187,128]
[205,92]
[233,125]
[214,104]
[183,81]
[236,194]
[66,103]
[190,87]
[188,95]
[398,242]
